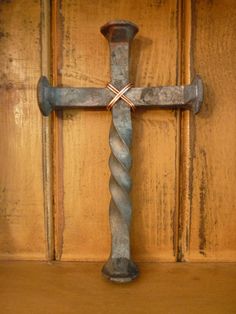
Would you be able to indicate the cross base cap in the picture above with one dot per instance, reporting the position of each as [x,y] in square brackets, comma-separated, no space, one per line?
[120,270]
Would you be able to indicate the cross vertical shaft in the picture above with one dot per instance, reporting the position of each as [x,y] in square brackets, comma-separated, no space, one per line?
[120,266]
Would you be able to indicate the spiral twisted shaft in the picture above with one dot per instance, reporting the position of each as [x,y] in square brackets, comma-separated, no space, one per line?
[120,186]
[120,266]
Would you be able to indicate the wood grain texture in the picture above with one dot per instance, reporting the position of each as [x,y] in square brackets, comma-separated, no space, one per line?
[213,199]
[85,133]
[22,233]
[186,120]
[47,137]
[173,288]
[57,125]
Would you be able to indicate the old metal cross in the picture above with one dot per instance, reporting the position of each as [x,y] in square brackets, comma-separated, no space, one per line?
[119,34]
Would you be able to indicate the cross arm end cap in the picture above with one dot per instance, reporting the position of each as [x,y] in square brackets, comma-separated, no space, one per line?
[197,102]
[43,90]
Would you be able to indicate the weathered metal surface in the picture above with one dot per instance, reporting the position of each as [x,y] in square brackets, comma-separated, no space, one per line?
[120,267]
[119,34]
[184,96]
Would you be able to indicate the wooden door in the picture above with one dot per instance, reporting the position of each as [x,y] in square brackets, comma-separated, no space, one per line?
[54,179]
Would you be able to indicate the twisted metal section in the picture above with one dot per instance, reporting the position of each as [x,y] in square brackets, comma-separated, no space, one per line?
[120,266]
[120,186]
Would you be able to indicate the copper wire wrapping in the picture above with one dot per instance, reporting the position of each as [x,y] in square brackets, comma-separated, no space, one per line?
[120,94]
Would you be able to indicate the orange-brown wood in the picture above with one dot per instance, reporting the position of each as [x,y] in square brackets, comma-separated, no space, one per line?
[57,123]
[185,122]
[47,138]
[22,234]
[213,197]
[85,133]
[73,288]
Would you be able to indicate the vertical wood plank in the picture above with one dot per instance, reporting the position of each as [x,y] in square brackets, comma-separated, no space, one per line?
[186,120]
[57,128]
[213,199]
[46,132]
[85,62]
[21,184]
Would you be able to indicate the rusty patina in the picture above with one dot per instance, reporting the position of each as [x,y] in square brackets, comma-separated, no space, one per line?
[120,34]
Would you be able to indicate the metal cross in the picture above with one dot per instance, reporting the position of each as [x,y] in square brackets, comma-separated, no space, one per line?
[120,34]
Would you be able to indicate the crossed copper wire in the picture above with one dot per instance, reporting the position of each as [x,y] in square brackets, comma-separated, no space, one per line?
[120,94]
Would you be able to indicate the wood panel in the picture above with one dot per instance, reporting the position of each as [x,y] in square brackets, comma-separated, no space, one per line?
[21,183]
[85,61]
[213,197]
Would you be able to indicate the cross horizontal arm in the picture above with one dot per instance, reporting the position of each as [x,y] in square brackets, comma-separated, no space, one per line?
[184,96]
